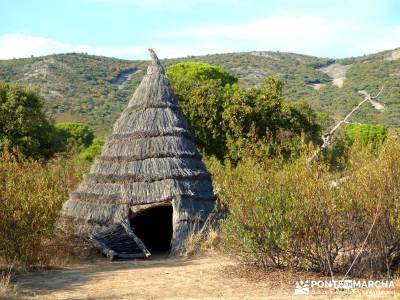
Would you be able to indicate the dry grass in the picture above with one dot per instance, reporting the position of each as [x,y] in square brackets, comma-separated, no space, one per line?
[288,216]
[31,196]
[7,289]
[201,242]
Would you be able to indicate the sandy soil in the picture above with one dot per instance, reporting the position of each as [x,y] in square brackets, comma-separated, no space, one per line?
[394,55]
[337,72]
[211,277]
[173,278]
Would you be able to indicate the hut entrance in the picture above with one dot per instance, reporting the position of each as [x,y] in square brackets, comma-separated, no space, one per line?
[154,227]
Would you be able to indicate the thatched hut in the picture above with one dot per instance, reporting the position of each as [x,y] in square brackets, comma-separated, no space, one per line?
[149,173]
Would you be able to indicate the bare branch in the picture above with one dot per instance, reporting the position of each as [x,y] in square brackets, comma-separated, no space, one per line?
[379,92]
[327,138]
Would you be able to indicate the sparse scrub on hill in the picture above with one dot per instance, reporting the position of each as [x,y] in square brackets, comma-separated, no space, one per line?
[289,215]
[78,87]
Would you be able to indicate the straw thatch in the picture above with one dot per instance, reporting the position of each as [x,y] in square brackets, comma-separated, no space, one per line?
[149,158]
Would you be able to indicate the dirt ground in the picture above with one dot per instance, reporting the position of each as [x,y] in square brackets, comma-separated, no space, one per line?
[205,277]
[337,72]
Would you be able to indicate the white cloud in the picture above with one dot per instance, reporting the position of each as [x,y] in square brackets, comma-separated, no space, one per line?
[18,45]
[307,34]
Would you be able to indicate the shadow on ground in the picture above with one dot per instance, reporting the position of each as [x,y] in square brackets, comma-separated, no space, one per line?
[77,274]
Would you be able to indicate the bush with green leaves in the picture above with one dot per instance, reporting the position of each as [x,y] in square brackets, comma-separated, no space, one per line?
[228,122]
[369,136]
[260,123]
[23,125]
[73,137]
[203,91]
[365,136]
[90,153]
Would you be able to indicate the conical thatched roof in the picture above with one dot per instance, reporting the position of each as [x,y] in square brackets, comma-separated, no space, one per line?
[149,158]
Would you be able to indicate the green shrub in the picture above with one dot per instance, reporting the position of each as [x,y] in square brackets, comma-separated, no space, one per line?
[203,91]
[92,151]
[262,124]
[23,125]
[228,122]
[363,137]
[369,136]
[290,215]
[73,137]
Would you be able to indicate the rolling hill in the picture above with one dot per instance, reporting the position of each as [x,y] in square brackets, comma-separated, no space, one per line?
[95,89]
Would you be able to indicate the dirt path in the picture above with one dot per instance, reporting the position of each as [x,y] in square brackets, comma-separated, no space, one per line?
[211,277]
[174,278]
[337,72]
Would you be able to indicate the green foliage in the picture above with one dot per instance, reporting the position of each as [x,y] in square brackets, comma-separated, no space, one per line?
[193,73]
[203,91]
[73,137]
[23,125]
[299,72]
[92,151]
[369,136]
[32,194]
[290,215]
[231,122]
[363,136]
[260,123]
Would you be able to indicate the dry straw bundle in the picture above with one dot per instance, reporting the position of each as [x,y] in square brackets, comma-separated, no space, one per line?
[149,159]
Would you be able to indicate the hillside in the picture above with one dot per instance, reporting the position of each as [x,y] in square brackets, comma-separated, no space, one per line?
[95,89]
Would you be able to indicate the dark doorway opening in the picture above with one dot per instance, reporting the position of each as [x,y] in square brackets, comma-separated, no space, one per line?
[154,227]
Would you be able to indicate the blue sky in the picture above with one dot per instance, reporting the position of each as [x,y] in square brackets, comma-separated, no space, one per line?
[176,28]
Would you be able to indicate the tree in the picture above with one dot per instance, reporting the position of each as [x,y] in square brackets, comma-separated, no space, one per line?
[73,137]
[23,125]
[229,122]
[261,123]
[90,153]
[203,91]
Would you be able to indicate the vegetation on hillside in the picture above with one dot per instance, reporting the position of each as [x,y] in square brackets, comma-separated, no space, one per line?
[77,87]
[26,130]
[81,87]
